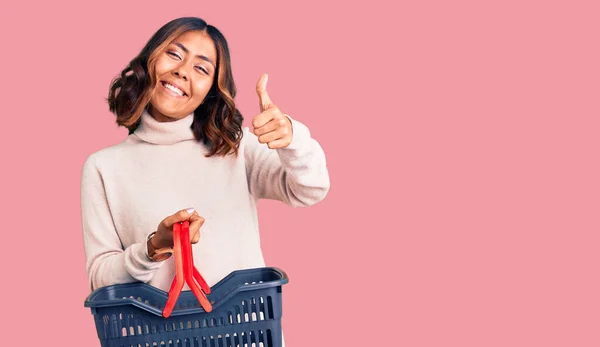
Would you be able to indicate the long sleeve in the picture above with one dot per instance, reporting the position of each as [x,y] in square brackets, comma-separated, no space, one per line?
[106,261]
[296,175]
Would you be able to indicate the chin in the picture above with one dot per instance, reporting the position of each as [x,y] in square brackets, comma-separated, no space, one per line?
[167,112]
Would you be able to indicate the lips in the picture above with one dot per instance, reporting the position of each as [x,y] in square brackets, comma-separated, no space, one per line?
[173,87]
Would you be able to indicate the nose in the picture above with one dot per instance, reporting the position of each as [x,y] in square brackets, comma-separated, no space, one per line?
[180,72]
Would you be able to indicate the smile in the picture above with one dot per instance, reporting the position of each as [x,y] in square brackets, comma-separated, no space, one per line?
[173,90]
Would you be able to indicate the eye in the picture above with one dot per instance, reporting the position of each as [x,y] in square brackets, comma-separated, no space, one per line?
[173,54]
[202,69]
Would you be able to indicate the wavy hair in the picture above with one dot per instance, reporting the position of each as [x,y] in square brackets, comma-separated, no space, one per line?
[217,122]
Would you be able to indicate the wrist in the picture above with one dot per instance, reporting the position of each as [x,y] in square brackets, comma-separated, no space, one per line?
[156,251]
[154,242]
[150,247]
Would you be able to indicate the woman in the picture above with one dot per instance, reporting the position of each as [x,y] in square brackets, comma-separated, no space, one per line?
[187,157]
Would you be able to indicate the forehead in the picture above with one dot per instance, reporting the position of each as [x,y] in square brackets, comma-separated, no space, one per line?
[198,43]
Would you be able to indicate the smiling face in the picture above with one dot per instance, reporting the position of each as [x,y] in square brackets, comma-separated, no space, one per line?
[184,72]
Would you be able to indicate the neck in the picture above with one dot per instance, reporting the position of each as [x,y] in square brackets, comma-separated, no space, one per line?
[165,132]
[156,114]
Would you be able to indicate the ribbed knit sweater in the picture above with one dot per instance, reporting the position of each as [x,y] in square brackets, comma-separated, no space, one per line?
[127,189]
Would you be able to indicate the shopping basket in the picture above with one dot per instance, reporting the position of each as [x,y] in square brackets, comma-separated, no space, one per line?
[246,311]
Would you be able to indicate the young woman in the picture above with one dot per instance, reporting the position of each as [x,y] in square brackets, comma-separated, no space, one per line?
[187,157]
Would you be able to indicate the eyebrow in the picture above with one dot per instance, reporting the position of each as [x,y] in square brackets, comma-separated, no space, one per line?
[203,57]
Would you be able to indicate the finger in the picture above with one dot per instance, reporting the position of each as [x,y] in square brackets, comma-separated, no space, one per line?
[193,217]
[179,216]
[265,117]
[272,136]
[263,97]
[281,143]
[195,237]
[279,128]
[195,225]
[272,125]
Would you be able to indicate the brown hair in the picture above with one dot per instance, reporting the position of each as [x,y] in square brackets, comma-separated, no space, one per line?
[217,122]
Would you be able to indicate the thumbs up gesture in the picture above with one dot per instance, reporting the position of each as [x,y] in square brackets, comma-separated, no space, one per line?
[271,126]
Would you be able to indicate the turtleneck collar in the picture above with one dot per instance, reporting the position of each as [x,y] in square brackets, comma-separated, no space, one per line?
[164,133]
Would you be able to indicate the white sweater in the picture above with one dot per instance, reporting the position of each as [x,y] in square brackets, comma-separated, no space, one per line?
[129,188]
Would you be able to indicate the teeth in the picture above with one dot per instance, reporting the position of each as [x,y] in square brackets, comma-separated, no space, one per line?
[173,88]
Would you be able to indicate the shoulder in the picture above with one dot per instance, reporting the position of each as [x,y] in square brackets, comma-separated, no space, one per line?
[249,140]
[247,134]
[108,155]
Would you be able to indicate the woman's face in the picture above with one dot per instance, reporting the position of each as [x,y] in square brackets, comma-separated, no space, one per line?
[184,73]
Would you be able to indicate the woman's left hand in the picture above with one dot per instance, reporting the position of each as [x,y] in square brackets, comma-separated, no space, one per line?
[271,126]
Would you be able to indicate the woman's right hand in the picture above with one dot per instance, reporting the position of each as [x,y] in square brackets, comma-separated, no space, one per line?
[164,231]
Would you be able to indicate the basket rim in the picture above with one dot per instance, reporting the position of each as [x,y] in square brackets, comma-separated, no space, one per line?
[92,300]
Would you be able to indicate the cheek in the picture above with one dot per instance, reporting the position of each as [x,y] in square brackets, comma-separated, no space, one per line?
[162,65]
[201,89]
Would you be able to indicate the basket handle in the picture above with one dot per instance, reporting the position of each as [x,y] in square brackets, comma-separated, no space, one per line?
[193,278]
[185,271]
[178,281]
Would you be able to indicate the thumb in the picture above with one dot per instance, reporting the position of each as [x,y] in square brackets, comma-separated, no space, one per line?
[263,97]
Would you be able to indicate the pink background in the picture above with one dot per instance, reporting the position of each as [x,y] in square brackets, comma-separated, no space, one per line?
[462,143]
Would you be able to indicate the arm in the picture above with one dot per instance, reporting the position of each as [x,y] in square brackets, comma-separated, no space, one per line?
[106,261]
[296,174]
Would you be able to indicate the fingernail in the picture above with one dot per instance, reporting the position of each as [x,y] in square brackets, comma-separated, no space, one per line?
[190,210]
